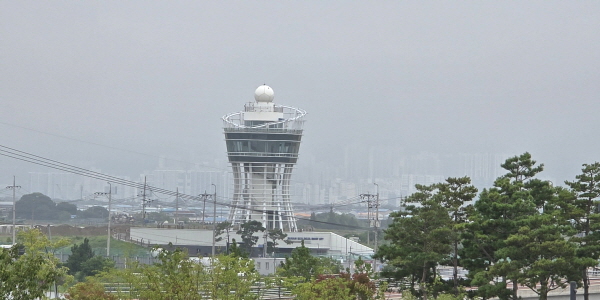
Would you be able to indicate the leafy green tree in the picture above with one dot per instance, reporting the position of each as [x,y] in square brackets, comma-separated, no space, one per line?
[79,254]
[89,290]
[223,228]
[247,231]
[305,266]
[300,264]
[28,276]
[361,284]
[83,262]
[517,232]
[325,288]
[236,251]
[585,217]
[36,205]
[499,213]
[67,207]
[543,258]
[456,194]
[177,277]
[173,277]
[93,212]
[231,278]
[341,286]
[276,235]
[331,220]
[95,265]
[419,237]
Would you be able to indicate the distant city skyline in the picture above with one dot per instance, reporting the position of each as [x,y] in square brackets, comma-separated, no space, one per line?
[316,182]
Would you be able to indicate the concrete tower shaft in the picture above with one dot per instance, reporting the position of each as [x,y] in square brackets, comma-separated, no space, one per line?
[262,146]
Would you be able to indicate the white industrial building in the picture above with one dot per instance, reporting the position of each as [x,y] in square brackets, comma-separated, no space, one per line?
[199,243]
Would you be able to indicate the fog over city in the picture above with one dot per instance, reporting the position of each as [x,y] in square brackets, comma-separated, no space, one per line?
[392,88]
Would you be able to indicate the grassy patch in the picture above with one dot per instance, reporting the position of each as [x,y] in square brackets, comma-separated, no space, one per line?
[117,247]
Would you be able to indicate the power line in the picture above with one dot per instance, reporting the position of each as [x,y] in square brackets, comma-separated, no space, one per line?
[39,160]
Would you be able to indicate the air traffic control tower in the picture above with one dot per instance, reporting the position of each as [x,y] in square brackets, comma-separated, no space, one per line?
[262,145]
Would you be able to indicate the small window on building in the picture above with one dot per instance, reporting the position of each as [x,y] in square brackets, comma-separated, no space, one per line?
[266,265]
[258,265]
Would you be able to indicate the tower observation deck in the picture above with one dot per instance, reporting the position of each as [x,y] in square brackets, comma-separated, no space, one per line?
[262,146]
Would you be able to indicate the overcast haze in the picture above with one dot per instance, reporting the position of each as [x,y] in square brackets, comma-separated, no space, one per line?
[156,77]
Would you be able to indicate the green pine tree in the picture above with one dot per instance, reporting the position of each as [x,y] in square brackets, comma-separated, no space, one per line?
[585,216]
[420,237]
[79,255]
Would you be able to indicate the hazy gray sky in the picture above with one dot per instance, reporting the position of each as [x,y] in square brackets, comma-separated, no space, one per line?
[440,76]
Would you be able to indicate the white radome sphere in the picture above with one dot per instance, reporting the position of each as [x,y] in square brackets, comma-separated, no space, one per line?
[264,93]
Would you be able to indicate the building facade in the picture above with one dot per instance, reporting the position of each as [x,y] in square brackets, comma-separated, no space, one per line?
[263,142]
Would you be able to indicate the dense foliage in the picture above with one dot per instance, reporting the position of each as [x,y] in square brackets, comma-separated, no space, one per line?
[351,286]
[176,276]
[89,290]
[305,266]
[28,275]
[522,231]
[332,221]
[83,262]
[41,207]
[246,232]
[37,206]
[98,212]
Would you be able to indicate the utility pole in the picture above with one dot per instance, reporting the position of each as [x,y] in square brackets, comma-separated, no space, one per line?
[376,225]
[14,224]
[266,234]
[204,197]
[109,216]
[214,219]
[177,208]
[369,220]
[144,203]
[373,202]
[350,265]
[203,207]
[109,220]
[369,198]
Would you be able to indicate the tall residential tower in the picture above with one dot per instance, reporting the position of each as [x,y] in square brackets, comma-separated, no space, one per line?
[262,145]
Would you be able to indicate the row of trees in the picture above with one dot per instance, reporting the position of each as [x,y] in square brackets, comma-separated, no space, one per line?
[41,207]
[332,220]
[521,231]
[31,268]
[28,274]
[230,276]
